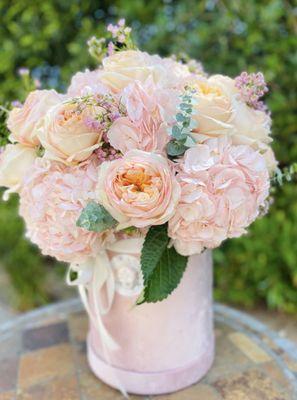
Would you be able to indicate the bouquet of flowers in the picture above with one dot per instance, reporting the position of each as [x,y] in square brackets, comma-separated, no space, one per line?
[144,147]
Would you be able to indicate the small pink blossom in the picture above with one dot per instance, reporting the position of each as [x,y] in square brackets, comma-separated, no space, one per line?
[252,87]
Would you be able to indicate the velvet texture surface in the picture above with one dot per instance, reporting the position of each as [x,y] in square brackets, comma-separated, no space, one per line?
[164,346]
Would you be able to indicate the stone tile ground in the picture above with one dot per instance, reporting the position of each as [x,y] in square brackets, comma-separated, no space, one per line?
[45,359]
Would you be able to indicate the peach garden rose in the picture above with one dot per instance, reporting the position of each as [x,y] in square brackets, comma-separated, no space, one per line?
[139,189]
[69,132]
[23,121]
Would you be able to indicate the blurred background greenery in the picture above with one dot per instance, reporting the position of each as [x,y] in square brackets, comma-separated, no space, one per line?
[49,37]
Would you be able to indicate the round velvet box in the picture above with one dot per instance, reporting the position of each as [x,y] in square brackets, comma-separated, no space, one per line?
[164,346]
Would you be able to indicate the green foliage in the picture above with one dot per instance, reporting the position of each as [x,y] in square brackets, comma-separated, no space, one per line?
[162,267]
[95,218]
[26,267]
[50,38]
[181,131]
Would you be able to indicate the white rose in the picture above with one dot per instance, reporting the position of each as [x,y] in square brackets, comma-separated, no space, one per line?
[15,161]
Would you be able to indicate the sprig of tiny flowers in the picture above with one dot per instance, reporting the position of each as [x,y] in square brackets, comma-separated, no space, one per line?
[252,87]
[287,174]
[110,110]
[106,152]
[118,38]
[181,131]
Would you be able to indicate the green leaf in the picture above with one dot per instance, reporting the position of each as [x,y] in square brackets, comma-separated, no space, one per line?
[162,267]
[176,132]
[190,142]
[180,117]
[154,244]
[175,148]
[95,218]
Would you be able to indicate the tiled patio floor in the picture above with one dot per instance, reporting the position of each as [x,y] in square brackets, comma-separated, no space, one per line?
[42,357]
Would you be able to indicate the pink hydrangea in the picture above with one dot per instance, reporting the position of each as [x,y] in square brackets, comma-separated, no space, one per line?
[223,189]
[86,83]
[51,201]
[150,111]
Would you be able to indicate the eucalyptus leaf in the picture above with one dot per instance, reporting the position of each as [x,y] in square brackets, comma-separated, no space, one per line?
[95,218]
[190,142]
[175,148]
[176,132]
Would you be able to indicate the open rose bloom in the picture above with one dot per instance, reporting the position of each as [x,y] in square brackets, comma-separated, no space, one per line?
[144,155]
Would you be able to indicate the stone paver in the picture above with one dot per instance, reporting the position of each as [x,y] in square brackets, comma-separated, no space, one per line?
[48,361]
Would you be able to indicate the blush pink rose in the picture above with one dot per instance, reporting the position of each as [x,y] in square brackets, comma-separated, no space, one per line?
[85,83]
[51,200]
[223,188]
[139,189]
[23,121]
[150,112]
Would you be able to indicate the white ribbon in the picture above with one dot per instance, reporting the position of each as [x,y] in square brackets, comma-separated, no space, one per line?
[91,278]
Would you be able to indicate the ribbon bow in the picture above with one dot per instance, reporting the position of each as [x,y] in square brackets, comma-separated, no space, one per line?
[92,276]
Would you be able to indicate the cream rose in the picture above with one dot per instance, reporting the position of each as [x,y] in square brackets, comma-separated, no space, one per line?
[139,189]
[124,67]
[213,111]
[69,132]
[23,122]
[250,126]
[15,161]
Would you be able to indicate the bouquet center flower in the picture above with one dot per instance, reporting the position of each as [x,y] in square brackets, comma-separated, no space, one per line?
[137,183]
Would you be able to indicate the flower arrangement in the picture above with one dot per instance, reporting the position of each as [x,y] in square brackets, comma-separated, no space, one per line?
[146,147]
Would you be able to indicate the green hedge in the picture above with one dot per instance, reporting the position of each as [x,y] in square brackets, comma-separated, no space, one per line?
[227,36]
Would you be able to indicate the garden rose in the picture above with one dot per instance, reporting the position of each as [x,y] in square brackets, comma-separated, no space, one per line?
[125,67]
[213,110]
[15,161]
[69,132]
[250,125]
[51,201]
[23,121]
[223,188]
[139,189]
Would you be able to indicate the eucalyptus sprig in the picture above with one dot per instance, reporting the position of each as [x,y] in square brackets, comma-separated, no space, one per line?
[287,174]
[181,131]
